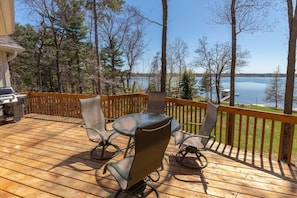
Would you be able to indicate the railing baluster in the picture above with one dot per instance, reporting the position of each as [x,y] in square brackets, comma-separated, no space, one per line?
[262,137]
[239,131]
[271,139]
[254,134]
[247,133]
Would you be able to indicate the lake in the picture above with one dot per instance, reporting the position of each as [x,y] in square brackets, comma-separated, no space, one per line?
[251,90]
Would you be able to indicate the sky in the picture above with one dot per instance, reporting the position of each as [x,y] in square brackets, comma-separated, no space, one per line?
[190,20]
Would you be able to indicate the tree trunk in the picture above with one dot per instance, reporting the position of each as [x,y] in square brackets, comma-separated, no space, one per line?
[164,45]
[97,54]
[232,72]
[58,67]
[288,106]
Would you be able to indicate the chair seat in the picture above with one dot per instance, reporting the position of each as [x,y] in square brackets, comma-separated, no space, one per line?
[124,165]
[187,139]
[107,134]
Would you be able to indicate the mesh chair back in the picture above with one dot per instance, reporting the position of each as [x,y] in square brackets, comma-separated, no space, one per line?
[156,102]
[150,145]
[209,121]
[92,115]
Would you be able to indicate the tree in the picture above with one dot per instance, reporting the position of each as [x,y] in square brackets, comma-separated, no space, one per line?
[205,60]
[111,57]
[274,90]
[75,34]
[188,83]
[22,73]
[217,60]
[205,84]
[133,44]
[176,55]
[290,79]
[59,21]
[164,42]
[154,78]
[242,16]
[114,30]
[97,8]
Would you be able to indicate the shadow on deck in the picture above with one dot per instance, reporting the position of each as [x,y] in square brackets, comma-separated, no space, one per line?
[49,157]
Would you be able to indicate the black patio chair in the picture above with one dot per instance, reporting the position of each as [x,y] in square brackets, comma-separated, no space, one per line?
[133,172]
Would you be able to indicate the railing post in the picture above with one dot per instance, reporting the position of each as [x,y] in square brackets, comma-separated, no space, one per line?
[230,129]
[286,142]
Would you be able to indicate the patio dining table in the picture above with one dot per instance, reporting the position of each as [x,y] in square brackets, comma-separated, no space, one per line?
[128,124]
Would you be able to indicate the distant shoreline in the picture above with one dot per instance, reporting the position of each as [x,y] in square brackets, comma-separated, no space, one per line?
[223,75]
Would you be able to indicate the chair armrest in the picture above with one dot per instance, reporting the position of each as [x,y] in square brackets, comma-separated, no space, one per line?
[95,130]
[202,136]
[192,123]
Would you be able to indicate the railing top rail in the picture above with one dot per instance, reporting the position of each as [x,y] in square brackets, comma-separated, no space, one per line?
[260,114]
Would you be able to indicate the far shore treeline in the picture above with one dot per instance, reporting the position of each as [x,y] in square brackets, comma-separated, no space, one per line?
[223,75]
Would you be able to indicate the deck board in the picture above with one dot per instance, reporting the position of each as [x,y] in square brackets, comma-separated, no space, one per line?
[50,158]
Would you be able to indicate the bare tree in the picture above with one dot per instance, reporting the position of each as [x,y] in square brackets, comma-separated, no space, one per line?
[176,55]
[155,74]
[164,41]
[217,60]
[133,44]
[289,94]
[243,16]
[205,60]
[274,90]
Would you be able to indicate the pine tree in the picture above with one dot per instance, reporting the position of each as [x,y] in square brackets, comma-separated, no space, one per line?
[188,83]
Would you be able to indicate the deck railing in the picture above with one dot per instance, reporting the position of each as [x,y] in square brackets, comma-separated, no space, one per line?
[255,131]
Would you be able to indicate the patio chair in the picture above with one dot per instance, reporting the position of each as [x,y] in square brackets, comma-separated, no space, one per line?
[135,172]
[156,102]
[191,145]
[95,125]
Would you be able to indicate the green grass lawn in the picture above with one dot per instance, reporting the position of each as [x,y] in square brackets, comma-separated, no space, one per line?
[269,109]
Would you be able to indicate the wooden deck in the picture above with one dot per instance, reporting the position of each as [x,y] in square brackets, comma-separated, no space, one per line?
[50,158]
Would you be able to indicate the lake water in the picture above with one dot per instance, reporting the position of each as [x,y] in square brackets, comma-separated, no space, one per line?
[251,90]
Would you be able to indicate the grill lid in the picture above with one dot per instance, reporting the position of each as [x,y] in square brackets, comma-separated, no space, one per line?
[7,95]
[6,90]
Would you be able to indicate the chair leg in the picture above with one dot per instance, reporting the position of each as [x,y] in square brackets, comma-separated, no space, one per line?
[203,162]
[154,189]
[103,150]
[138,189]
[130,145]
[199,159]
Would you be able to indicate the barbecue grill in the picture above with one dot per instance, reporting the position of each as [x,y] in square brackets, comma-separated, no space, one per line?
[11,104]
